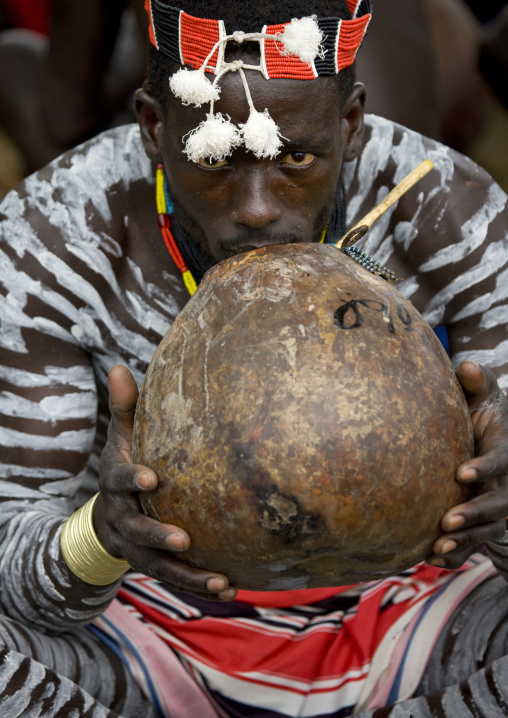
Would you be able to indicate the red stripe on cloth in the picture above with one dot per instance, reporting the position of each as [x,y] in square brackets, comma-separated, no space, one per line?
[295,659]
[285,643]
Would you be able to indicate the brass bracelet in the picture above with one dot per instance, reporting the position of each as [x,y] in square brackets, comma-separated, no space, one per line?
[84,554]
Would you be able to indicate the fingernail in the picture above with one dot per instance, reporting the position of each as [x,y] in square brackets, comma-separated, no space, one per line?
[437,562]
[468,474]
[216,585]
[448,546]
[145,481]
[454,522]
[229,594]
[176,541]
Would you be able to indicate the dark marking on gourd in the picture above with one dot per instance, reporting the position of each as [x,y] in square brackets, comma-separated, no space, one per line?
[181,459]
[350,316]
[283,516]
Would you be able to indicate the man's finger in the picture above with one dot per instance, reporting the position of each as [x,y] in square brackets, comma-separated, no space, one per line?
[123,395]
[469,538]
[478,383]
[119,476]
[454,559]
[162,567]
[490,465]
[483,509]
[145,531]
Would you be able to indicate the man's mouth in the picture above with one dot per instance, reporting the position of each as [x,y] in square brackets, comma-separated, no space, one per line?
[241,245]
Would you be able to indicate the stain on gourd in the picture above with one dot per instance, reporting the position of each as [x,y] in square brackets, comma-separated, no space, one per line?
[284,517]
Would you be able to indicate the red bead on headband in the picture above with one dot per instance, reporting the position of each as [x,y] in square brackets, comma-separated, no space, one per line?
[349,38]
[277,65]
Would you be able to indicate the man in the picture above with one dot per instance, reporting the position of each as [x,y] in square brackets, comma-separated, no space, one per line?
[89,284]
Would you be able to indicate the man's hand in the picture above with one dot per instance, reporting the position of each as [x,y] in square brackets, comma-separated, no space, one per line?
[483,518]
[121,526]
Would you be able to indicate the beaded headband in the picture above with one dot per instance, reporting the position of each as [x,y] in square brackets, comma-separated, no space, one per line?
[302,49]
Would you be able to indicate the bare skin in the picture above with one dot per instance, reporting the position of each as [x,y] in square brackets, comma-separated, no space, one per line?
[244,203]
[475,522]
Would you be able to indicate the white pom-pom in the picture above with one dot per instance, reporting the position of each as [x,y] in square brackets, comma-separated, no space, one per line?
[261,135]
[215,138]
[303,38]
[193,87]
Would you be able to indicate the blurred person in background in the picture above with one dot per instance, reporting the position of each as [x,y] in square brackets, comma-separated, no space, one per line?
[61,88]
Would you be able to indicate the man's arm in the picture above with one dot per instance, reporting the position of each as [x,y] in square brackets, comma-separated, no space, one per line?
[65,320]
[48,408]
[469,272]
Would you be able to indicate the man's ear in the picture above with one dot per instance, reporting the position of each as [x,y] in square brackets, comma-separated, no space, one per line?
[352,122]
[150,118]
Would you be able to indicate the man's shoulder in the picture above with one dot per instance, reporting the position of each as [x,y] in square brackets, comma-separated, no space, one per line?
[111,159]
[388,143]
[86,185]
[390,151]
[116,155]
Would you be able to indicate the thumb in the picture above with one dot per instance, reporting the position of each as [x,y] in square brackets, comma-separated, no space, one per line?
[123,395]
[478,383]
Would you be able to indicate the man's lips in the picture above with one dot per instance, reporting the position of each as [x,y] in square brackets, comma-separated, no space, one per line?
[251,244]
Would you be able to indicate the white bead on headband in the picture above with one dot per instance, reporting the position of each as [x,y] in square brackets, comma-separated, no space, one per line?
[302,49]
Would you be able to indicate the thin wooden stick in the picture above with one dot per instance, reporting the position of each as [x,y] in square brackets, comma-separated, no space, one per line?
[357,232]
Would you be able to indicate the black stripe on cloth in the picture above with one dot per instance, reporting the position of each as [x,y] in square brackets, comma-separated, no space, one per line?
[239,609]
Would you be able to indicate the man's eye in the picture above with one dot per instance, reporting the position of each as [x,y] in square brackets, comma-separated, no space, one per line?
[298,159]
[210,162]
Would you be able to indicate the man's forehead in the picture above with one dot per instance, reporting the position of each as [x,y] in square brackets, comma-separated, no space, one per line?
[303,107]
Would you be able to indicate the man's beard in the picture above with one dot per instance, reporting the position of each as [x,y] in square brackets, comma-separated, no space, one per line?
[193,244]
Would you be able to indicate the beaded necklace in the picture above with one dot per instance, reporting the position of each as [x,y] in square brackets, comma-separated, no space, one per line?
[368,263]
[164,209]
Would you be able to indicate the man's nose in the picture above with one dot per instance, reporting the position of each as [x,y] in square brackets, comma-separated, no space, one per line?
[255,204]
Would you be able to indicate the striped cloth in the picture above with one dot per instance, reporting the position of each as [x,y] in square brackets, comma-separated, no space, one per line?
[323,652]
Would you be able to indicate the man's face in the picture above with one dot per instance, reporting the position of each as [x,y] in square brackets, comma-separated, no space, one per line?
[242,202]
